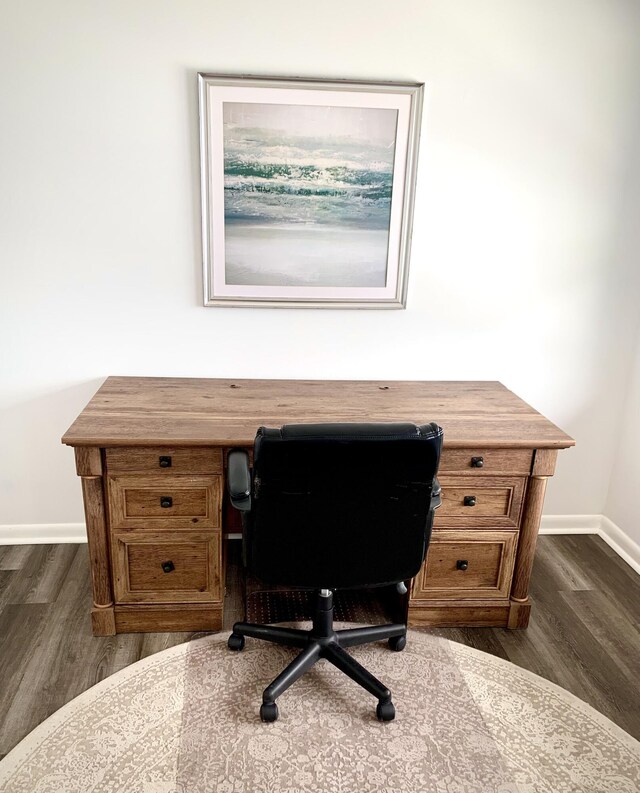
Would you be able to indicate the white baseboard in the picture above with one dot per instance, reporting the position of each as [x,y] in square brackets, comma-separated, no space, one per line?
[42,533]
[570,524]
[620,542]
[616,539]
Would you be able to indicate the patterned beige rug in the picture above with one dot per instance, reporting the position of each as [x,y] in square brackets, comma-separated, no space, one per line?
[186,720]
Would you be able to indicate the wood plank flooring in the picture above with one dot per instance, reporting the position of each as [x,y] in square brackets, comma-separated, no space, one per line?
[584,634]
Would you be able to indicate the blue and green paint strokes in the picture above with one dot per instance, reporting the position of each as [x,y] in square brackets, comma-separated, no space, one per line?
[290,167]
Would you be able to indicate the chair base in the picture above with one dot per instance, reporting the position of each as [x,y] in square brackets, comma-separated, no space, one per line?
[322,641]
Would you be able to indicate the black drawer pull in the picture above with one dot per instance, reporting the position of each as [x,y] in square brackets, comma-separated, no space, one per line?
[462,564]
[164,461]
[469,501]
[477,462]
[166,502]
[168,567]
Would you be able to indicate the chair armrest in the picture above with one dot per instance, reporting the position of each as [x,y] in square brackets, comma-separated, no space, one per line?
[239,480]
[436,495]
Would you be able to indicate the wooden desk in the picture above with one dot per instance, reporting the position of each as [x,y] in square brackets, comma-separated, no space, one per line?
[151,453]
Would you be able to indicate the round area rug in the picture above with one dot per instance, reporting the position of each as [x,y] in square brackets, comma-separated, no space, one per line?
[187,720]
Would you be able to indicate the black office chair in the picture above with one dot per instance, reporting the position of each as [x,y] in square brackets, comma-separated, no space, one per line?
[334,506]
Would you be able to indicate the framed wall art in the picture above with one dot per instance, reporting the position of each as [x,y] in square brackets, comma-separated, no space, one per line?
[307,190]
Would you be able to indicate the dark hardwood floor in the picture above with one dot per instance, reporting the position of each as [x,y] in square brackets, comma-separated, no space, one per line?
[584,634]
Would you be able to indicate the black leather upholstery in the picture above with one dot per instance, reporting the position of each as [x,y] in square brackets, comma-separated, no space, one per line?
[239,479]
[341,505]
[352,431]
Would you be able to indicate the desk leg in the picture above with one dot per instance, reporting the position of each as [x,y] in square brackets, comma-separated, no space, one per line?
[520,603]
[102,614]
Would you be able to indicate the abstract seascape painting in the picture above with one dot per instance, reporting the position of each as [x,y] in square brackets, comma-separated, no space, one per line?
[307,191]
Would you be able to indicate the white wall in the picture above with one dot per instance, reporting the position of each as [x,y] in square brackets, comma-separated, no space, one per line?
[622,502]
[517,272]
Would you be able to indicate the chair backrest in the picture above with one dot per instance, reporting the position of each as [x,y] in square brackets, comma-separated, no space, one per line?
[341,505]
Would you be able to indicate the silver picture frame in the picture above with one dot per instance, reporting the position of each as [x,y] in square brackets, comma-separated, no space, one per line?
[307,190]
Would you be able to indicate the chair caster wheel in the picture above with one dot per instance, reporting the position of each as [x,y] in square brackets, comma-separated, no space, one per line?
[385,711]
[235,642]
[398,643]
[268,711]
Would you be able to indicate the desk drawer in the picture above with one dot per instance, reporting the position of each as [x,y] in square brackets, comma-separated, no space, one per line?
[175,502]
[480,502]
[163,460]
[157,567]
[486,462]
[467,564]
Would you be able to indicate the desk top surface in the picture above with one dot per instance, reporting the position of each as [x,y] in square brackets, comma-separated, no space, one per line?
[156,411]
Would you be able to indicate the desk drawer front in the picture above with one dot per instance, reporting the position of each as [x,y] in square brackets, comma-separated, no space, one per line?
[467,564]
[158,568]
[486,462]
[480,502]
[163,461]
[176,502]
